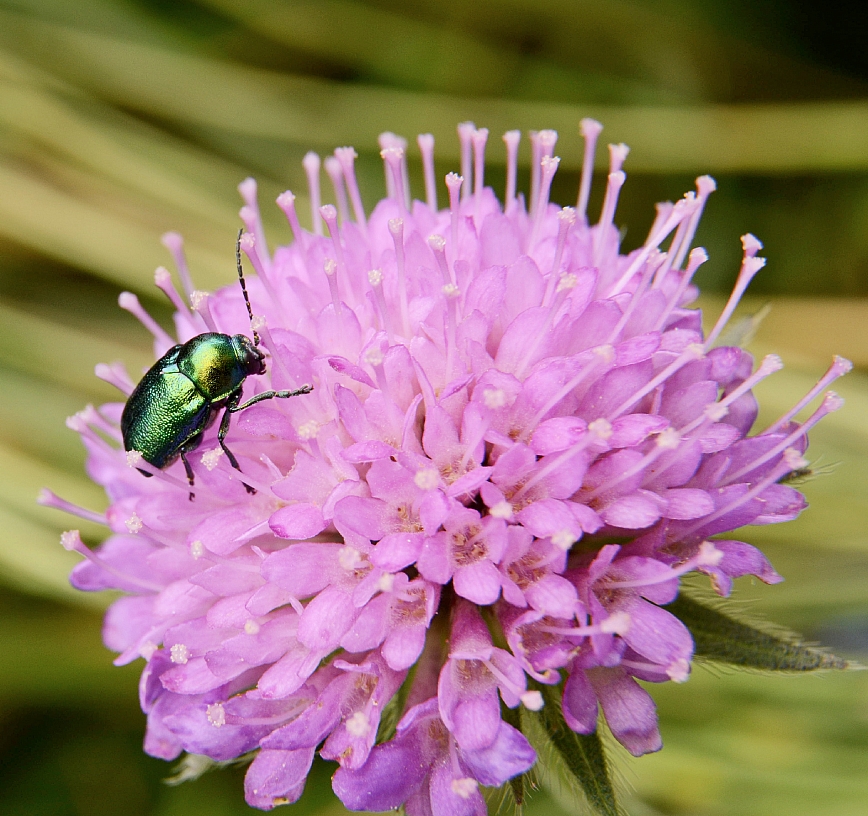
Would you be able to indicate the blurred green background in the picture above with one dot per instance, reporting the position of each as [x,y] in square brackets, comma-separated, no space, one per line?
[122,119]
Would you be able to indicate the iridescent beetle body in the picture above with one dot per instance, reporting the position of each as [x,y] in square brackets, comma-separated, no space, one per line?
[182,393]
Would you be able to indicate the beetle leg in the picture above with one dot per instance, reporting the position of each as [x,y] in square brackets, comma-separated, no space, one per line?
[190,445]
[266,395]
[189,470]
[221,435]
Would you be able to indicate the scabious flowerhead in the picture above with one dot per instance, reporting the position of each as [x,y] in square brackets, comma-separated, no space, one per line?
[518,440]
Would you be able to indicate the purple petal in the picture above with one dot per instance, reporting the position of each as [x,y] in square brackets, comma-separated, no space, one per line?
[393,772]
[687,503]
[370,627]
[277,777]
[629,710]
[479,583]
[549,516]
[228,579]
[739,559]
[221,531]
[554,596]
[402,646]
[298,521]
[631,512]
[512,353]
[486,290]
[126,553]
[316,721]
[780,503]
[445,800]
[557,434]
[302,569]
[344,366]
[287,675]
[717,437]
[268,644]
[580,703]
[397,550]
[433,562]
[637,349]
[469,482]
[498,242]
[509,755]
[368,452]
[326,619]
[433,510]
[633,429]
[193,677]
[655,633]
[476,720]
[127,621]
[366,516]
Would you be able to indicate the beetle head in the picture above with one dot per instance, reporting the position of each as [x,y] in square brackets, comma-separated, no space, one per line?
[252,359]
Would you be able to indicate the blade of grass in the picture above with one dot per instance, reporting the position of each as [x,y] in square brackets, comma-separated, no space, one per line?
[90,235]
[427,56]
[32,560]
[219,94]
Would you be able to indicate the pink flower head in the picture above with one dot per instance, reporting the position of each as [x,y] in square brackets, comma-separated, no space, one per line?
[499,392]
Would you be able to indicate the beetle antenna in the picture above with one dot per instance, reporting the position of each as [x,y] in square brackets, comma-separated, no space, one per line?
[244,286]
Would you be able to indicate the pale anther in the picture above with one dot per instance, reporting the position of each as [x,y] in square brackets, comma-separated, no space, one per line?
[601,428]
[179,653]
[216,715]
[426,478]
[464,787]
[358,725]
[210,459]
[563,539]
[532,700]
[308,430]
[494,398]
[502,510]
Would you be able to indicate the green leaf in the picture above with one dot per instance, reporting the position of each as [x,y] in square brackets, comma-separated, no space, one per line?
[723,639]
[578,758]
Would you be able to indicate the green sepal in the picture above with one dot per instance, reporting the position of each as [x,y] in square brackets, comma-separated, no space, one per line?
[722,639]
[191,766]
[577,759]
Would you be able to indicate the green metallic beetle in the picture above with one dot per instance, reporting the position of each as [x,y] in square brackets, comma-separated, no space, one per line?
[180,396]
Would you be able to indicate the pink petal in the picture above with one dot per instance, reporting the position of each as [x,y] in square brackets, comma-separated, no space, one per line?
[326,619]
[629,709]
[297,521]
[687,503]
[396,551]
[302,569]
[479,583]
[631,513]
